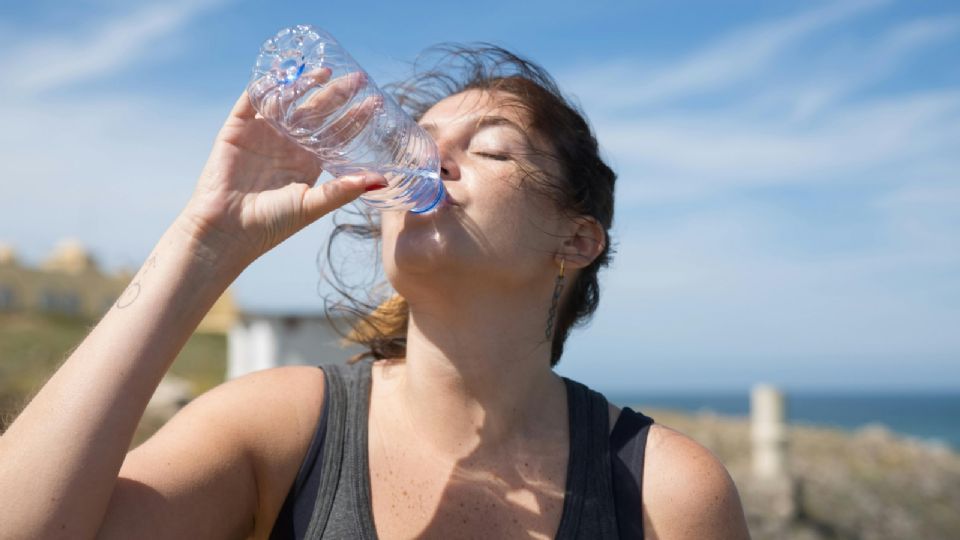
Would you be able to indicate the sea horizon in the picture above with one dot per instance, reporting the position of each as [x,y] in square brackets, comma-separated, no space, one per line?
[932,416]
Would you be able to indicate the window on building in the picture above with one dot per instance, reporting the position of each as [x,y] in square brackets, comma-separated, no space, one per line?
[8,298]
[60,302]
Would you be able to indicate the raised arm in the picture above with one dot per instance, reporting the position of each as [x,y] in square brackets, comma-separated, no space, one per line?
[60,459]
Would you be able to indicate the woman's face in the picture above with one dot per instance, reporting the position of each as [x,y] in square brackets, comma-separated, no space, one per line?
[494,229]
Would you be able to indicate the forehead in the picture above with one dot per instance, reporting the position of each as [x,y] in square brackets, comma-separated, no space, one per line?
[473,105]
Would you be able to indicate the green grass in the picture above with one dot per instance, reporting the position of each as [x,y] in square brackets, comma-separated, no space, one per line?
[33,346]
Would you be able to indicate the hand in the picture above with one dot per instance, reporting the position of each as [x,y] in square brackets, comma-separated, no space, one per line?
[256,188]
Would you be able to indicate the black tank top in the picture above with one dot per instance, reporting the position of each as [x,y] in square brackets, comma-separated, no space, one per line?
[330,497]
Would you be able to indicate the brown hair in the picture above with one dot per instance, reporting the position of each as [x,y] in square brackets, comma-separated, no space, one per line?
[583,187]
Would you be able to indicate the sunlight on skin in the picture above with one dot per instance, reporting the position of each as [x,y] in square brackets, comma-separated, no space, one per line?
[517,484]
[523,498]
[529,500]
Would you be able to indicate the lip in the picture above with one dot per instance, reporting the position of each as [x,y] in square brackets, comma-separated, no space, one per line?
[449,200]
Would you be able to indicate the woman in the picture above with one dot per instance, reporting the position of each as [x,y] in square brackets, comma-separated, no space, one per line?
[459,429]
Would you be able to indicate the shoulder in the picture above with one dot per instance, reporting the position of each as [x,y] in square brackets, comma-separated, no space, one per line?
[271,404]
[245,440]
[274,414]
[263,408]
[276,411]
[687,492]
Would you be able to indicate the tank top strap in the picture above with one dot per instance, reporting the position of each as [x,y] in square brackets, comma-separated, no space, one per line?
[628,443]
[588,505]
[604,472]
[347,387]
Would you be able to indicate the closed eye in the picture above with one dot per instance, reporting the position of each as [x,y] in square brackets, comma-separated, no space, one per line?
[498,157]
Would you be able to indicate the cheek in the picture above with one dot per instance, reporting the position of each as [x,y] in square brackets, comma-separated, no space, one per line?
[515,231]
[500,234]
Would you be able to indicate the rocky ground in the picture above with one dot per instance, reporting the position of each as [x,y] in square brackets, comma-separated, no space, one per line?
[869,484]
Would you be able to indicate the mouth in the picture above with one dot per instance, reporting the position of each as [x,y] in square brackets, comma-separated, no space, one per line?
[448,201]
[446,204]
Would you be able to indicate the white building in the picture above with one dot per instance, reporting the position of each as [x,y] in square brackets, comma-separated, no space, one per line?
[263,340]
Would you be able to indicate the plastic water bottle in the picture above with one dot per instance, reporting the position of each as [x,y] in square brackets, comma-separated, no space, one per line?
[366,131]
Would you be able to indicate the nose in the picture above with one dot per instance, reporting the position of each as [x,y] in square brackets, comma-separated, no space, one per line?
[449,169]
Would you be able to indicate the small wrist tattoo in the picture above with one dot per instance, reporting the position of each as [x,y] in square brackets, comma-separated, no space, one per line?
[132,292]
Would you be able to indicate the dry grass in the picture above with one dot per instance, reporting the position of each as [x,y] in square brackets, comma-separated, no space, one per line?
[33,346]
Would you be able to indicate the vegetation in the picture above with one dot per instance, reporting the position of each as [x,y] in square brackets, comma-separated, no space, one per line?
[869,484]
[34,345]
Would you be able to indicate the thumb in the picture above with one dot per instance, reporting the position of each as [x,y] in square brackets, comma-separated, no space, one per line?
[329,196]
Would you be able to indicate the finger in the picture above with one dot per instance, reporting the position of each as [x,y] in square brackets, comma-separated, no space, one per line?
[332,97]
[352,123]
[307,82]
[331,195]
[243,108]
[263,95]
[316,77]
[344,128]
[270,97]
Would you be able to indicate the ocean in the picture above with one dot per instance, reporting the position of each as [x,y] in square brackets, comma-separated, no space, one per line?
[930,416]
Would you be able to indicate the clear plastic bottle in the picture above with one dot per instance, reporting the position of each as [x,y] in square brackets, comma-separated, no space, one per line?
[367,131]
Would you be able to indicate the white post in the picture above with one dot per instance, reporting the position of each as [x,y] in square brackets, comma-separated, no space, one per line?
[769,432]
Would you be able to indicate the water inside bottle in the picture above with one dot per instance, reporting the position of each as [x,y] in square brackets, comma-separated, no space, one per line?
[423,196]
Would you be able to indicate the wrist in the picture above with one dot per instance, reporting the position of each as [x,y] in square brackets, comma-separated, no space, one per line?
[217,254]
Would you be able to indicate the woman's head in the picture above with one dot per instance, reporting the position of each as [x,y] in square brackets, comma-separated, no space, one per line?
[527,185]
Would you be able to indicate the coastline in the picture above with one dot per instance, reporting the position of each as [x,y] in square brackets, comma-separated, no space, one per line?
[868,483]
[929,416]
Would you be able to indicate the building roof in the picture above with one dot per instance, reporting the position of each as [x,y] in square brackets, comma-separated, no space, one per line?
[71,257]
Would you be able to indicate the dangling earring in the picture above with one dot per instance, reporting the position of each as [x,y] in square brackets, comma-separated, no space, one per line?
[554,302]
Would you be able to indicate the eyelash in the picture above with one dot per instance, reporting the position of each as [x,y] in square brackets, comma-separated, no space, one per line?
[498,157]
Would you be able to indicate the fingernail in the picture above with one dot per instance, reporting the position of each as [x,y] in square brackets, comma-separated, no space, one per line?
[375,187]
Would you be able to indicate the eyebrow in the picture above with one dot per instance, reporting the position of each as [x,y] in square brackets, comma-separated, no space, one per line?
[488,121]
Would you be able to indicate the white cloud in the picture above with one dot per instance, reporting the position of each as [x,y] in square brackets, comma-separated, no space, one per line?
[104,163]
[43,62]
[714,279]
[709,268]
[710,298]
[795,126]
[944,195]
[737,56]
[869,64]
[691,155]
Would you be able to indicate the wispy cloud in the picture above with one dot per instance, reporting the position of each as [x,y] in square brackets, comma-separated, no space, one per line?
[42,63]
[787,193]
[80,163]
[876,62]
[715,257]
[692,155]
[733,58]
[816,121]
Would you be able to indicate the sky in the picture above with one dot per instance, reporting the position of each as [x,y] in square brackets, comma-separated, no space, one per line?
[788,201]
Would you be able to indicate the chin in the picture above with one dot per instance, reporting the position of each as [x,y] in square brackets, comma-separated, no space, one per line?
[423,254]
[441,245]
[422,250]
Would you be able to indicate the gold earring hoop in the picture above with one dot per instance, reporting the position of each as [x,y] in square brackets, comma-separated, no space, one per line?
[555,301]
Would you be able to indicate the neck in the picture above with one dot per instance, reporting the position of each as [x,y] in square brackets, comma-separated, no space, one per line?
[478,370]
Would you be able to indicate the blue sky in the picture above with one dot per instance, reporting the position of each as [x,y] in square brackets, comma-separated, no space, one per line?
[788,197]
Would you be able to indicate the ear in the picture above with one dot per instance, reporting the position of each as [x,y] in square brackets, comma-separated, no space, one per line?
[585,241]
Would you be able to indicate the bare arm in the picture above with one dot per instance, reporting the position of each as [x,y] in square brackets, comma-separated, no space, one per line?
[60,459]
[222,466]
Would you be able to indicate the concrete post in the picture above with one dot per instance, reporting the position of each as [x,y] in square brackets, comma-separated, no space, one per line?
[768,431]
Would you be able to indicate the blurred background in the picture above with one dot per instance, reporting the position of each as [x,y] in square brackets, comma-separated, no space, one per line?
[788,212]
